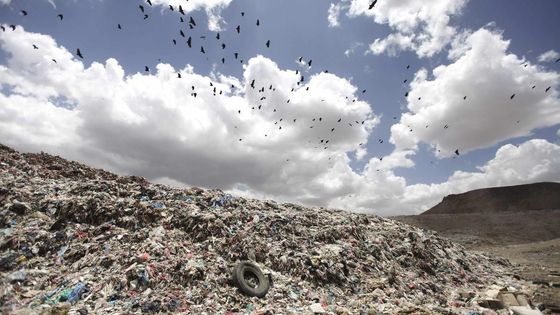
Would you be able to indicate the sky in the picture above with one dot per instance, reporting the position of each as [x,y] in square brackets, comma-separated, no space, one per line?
[381,110]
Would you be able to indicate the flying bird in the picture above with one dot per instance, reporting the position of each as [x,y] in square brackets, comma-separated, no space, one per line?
[557,60]
[268,43]
[79,53]
[464,97]
[141,8]
[13,27]
[372,4]
[548,88]
[258,22]
[145,16]
[149,2]
[171,8]
[253,84]
[181,33]
[238,28]
[512,96]
[242,13]
[182,11]
[189,42]
[60,16]
[408,66]
[236,55]
[309,63]
[23,12]
[146,68]
[35,46]
[119,27]
[223,46]
[191,21]
[3,28]
[202,49]
[178,75]
[174,42]
[218,36]
[457,152]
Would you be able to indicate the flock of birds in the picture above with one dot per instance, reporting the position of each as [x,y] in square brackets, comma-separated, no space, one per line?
[320,142]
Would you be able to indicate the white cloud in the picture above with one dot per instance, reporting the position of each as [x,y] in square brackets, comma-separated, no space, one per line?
[149,124]
[536,160]
[420,26]
[5,2]
[548,56]
[213,9]
[334,14]
[488,76]
[352,48]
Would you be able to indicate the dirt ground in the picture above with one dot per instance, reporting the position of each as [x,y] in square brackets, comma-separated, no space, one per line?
[530,240]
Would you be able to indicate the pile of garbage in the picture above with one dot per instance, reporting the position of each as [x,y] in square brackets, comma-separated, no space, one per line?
[79,240]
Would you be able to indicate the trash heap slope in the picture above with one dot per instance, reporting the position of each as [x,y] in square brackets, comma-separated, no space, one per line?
[82,239]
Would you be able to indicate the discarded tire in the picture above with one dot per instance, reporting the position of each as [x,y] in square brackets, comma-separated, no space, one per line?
[250,280]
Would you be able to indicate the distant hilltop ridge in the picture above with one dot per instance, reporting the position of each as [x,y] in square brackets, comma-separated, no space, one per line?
[537,196]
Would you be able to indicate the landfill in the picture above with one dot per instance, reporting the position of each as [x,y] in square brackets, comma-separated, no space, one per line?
[80,240]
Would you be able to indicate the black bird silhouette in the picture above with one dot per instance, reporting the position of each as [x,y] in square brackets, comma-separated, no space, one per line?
[181,19]
[146,68]
[242,13]
[457,151]
[3,28]
[235,55]
[405,80]
[174,42]
[363,91]
[119,27]
[191,26]
[557,60]
[145,16]
[218,36]
[141,8]
[23,12]
[60,16]
[223,60]
[223,46]
[238,28]
[309,63]
[149,2]
[465,97]
[182,11]
[189,42]
[191,21]
[181,33]
[512,96]
[54,60]
[408,66]
[171,8]
[332,129]
[79,53]
[202,49]
[253,84]
[268,43]
[258,22]
[406,94]
[35,46]
[339,119]
[548,88]
[372,4]
[13,27]
[534,86]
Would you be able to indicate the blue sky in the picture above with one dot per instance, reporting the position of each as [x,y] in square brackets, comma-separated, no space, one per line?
[302,28]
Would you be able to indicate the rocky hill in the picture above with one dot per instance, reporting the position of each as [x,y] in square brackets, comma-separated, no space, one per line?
[537,196]
[78,240]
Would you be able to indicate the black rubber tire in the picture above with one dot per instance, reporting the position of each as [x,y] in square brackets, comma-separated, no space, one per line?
[244,268]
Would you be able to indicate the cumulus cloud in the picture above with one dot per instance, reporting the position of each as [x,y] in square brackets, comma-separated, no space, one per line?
[152,125]
[334,14]
[535,160]
[213,9]
[548,56]
[5,2]
[420,26]
[488,76]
